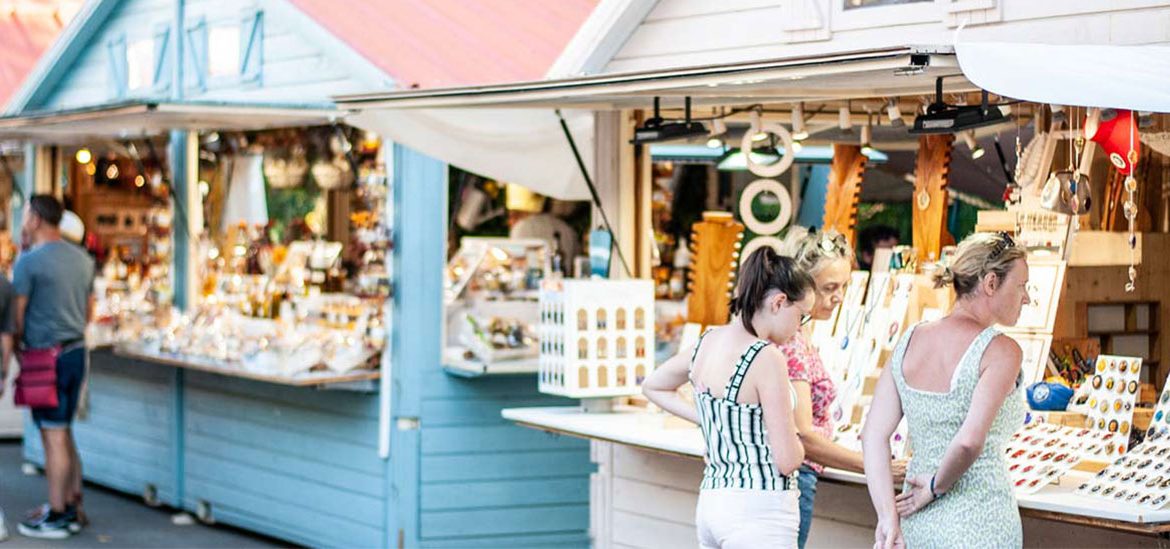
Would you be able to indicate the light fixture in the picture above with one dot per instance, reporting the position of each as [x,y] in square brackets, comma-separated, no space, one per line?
[83,156]
[866,138]
[757,133]
[112,171]
[718,128]
[139,181]
[656,129]
[799,133]
[894,113]
[972,144]
[844,119]
[943,118]
[796,146]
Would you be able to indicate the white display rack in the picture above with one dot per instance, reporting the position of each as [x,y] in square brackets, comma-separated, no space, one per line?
[596,337]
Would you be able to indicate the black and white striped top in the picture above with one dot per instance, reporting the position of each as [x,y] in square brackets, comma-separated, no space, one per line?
[738,455]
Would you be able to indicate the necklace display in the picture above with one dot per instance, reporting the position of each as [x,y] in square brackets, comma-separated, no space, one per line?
[865,315]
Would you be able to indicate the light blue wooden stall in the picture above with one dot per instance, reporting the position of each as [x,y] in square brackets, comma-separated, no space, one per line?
[303,464]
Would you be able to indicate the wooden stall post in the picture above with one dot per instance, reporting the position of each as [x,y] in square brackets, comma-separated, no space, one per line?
[930,195]
[844,190]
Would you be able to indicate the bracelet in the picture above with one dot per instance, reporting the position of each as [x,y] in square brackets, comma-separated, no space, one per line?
[933,494]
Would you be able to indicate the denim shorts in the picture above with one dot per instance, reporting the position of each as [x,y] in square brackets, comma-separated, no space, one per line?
[70,377]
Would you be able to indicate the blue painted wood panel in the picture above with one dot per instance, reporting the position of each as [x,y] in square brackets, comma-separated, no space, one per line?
[296,463]
[87,82]
[481,481]
[126,441]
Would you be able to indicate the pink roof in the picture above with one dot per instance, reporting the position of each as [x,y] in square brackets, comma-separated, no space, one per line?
[438,43]
[26,31]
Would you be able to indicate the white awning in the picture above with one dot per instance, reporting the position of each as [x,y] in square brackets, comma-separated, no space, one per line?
[522,146]
[510,132]
[134,120]
[1122,77]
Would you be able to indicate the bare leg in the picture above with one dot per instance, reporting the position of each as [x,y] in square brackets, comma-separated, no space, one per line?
[58,466]
[75,483]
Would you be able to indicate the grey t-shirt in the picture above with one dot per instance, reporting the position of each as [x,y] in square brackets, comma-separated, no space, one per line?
[6,295]
[57,279]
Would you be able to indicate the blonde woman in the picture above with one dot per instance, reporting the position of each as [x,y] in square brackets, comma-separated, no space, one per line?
[743,405]
[957,381]
[828,258]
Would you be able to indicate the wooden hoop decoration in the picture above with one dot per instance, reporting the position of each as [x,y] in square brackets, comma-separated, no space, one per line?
[770,170]
[757,188]
[757,243]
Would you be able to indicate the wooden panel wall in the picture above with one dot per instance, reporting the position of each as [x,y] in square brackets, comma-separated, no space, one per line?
[127,441]
[296,463]
[87,80]
[761,28]
[463,476]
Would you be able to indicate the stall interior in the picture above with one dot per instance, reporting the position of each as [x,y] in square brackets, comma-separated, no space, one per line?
[1082,189]
[290,243]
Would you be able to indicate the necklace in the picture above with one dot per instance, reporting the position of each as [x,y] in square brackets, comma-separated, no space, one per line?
[869,310]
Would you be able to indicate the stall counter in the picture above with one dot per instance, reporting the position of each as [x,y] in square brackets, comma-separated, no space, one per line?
[644,441]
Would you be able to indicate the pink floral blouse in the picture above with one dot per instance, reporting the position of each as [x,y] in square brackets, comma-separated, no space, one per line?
[804,364]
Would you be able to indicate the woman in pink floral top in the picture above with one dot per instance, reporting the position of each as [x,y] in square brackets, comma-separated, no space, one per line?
[829,259]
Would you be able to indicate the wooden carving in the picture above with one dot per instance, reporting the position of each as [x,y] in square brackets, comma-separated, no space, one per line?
[844,189]
[929,203]
[715,245]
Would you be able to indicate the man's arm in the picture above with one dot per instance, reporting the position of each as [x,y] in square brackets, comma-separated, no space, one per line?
[19,305]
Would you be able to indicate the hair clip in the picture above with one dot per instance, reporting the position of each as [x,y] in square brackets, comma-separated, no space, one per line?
[1097,382]
[1133,387]
[1123,366]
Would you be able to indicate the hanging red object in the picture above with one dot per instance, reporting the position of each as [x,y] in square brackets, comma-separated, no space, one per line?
[1116,132]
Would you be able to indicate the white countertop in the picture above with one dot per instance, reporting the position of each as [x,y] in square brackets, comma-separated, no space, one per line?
[637,427]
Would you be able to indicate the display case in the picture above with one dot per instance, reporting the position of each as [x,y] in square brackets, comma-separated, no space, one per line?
[491,287]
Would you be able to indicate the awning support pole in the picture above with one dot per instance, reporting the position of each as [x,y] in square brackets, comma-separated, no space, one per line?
[593,192]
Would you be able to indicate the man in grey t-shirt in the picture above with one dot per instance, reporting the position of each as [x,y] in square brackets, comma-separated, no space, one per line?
[54,300]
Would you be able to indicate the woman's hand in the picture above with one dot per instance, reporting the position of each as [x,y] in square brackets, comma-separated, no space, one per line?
[916,497]
[888,535]
[898,468]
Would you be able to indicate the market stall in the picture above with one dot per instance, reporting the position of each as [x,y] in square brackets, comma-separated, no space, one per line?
[1084,258]
[249,309]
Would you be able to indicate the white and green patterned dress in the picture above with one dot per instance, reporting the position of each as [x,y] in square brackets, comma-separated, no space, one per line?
[980,510]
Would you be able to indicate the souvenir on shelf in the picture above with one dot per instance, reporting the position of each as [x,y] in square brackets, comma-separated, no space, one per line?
[1040,453]
[497,269]
[596,336]
[1113,394]
[1140,478]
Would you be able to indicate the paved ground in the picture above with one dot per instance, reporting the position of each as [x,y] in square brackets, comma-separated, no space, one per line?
[117,520]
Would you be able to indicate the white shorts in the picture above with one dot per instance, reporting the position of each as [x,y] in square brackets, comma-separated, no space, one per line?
[731,518]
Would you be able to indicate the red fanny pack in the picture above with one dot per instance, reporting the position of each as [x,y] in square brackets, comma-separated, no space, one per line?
[36,386]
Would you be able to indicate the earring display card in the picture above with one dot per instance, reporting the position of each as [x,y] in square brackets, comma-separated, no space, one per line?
[1140,478]
[1035,348]
[1113,394]
[1045,281]
[1040,453]
[1160,421]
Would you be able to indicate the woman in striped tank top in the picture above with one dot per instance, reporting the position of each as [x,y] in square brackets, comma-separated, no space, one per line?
[744,406]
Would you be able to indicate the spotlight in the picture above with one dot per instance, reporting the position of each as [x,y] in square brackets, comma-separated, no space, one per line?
[866,138]
[797,147]
[976,150]
[894,113]
[757,123]
[844,119]
[799,133]
[83,156]
[715,143]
